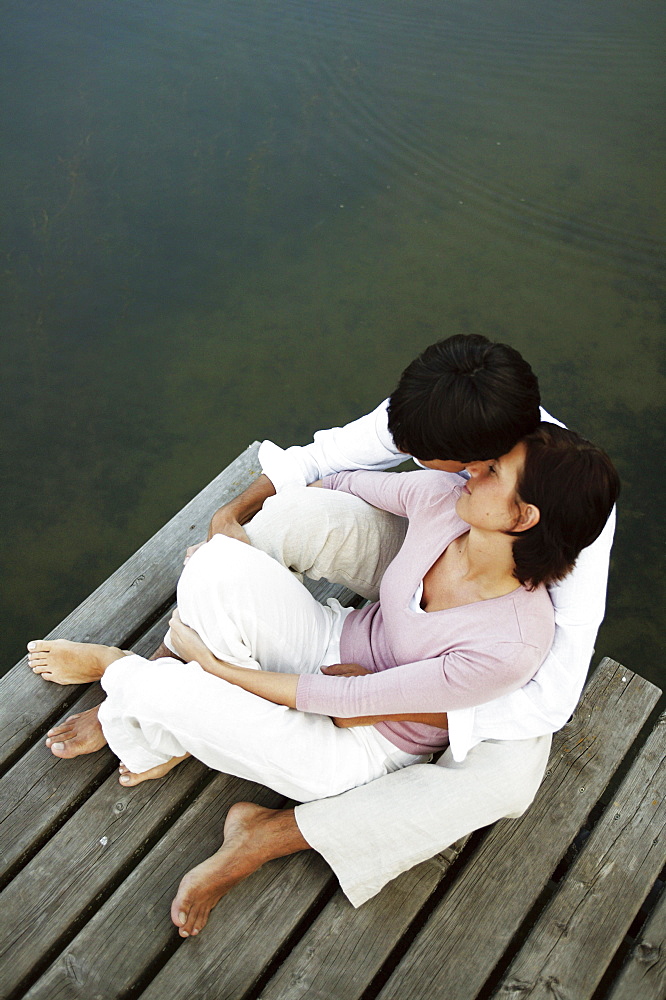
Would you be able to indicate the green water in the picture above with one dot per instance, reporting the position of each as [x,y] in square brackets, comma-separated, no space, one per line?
[223,221]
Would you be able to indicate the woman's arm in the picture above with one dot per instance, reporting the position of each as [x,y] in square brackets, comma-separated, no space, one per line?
[404,494]
[437,719]
[277,687]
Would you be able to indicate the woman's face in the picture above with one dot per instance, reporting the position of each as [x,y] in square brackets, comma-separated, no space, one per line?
[489,500]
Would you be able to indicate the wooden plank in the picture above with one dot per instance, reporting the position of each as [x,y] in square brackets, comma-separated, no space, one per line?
[117,608]
[344,948]
[132,932]
[496,890]
[248,928]
[86,859]
[40,791]
[577,935]
[644,973]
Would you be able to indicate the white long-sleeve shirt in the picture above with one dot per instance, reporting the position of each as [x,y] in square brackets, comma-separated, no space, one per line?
[545,703]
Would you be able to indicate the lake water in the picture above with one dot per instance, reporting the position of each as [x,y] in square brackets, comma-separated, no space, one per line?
[224,220]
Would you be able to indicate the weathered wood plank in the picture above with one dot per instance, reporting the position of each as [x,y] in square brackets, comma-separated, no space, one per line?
[117,608]
[344,948]
[498,887]
[132,931]
[84,861]
[40,791]
[644,973]
[577,935]
[248,929]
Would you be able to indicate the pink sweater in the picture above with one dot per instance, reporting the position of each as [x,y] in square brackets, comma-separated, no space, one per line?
[432,662]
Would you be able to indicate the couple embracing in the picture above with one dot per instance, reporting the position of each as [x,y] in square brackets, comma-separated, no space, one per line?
[486,577]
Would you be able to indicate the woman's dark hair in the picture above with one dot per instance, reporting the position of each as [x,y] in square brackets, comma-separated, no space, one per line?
[575,485]
[464,399]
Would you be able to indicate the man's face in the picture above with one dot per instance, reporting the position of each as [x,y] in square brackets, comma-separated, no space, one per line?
[443,465]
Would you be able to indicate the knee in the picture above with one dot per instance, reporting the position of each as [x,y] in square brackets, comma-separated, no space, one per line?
[158,689]
[221,562]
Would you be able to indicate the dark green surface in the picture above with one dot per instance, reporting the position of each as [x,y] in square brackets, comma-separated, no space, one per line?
[223,221]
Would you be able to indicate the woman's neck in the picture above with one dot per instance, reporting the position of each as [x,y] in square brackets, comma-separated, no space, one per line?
[472,568]
[486,559]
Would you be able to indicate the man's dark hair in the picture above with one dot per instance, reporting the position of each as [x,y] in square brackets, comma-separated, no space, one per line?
[575,485]
[464,399]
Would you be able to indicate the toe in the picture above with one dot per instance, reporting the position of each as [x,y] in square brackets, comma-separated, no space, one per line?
[179,912]
[62,727]
[38,646]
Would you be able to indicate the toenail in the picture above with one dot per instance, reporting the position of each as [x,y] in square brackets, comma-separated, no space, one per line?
[124,777]
[31,645]
[57,746]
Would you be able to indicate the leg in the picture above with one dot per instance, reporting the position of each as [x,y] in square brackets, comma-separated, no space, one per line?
[430,806]
[82,733]
[324,533]
[65,662]
[249,610]
[157,711]
[449,799]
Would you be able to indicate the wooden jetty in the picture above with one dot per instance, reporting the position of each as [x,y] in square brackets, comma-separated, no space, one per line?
[562,904]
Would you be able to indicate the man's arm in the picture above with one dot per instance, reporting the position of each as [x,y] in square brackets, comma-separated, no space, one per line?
[362,444]
[228,520]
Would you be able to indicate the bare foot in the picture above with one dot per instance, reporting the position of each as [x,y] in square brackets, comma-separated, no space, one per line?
[252,836]
[77,735]
[65,662]
[131,778]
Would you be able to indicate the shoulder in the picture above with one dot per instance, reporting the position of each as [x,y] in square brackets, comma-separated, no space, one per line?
[431,487]
[535,615]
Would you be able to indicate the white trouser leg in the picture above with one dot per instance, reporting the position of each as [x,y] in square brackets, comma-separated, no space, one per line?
[250,611]
[371,834]
[158,709]
[326,533]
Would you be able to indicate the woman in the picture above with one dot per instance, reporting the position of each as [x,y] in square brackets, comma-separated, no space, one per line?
[463,617]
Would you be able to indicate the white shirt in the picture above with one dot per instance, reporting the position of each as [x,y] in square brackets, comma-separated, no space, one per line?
[547,701]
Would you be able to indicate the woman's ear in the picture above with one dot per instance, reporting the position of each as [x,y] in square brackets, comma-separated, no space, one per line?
[529,516]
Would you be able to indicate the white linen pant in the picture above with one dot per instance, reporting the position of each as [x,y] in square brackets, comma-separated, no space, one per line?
[249,611]
[369,835]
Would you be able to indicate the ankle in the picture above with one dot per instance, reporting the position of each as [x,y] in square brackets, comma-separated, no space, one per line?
[279,833]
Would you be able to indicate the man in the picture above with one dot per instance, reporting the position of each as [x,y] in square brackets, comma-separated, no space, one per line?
[465,399]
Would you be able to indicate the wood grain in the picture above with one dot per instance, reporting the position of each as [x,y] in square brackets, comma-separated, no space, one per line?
[644,974]
[578,934]
[132,931]
[467,934]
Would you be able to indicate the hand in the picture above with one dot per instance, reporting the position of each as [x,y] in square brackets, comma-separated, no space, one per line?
[189,552]
[229,518]
[223,522]
[188,644]
[345,670]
